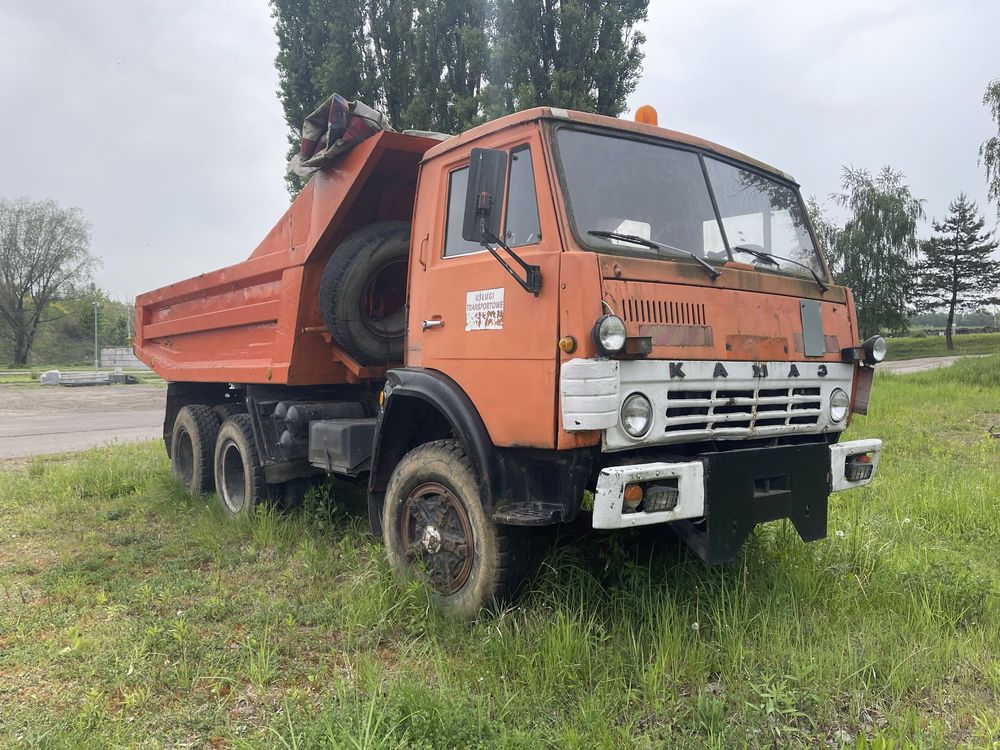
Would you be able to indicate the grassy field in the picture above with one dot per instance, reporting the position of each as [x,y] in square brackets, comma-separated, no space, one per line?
[912,347]
[133,616]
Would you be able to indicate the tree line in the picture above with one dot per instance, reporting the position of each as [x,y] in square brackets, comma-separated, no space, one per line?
[447,65]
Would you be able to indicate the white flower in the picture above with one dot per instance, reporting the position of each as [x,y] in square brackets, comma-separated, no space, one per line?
[840,534]
[695,627]
[906,520]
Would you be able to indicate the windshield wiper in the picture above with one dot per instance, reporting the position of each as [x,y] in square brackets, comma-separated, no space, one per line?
[773,260]
[636,239]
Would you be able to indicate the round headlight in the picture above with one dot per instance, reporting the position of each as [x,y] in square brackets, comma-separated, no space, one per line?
[609,334]
[874,350]
[637,415]
[840,404]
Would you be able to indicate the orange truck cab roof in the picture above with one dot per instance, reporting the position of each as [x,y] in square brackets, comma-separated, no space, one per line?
[588,118]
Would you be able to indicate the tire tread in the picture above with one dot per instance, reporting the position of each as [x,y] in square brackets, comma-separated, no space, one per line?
[258,487]
[343,261]
[206,427]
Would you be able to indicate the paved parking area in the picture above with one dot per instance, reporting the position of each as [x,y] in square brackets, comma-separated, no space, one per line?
[55,419]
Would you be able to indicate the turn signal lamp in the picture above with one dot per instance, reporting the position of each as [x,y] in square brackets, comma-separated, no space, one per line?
[858,467]
[632,498]
[646,115]
[567,344]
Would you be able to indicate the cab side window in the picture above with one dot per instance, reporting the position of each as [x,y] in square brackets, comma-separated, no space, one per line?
[521,224]
[453,242]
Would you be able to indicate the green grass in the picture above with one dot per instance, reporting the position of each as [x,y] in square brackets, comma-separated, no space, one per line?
[913,347]
[134,616]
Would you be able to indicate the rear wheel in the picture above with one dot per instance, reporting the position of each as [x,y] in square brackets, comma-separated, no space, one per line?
[191,444]
[435,528]
[239,477]
[229,408]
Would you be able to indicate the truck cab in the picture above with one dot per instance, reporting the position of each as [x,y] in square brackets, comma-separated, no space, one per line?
[601,317]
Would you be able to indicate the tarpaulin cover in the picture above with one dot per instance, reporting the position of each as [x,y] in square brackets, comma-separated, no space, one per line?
[336,126]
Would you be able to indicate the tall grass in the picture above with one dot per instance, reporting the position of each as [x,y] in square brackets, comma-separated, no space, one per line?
[912,347]
[133,615]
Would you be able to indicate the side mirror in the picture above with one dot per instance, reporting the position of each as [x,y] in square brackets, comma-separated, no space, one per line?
[487,173]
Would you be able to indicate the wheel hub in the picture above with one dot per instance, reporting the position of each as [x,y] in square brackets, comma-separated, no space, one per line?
[431,540]
[436,535]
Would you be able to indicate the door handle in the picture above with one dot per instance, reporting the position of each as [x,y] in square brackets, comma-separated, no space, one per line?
[422,257]
[433,323]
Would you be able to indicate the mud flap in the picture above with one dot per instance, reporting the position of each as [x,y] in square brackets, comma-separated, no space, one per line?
[747,487]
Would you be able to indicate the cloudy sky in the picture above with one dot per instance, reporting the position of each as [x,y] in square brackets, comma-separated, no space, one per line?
[159,118]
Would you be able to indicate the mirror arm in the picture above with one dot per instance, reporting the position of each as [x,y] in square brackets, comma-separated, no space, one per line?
[532,283]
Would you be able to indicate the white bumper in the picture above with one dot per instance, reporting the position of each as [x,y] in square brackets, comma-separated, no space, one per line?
[690,476]
[610,494]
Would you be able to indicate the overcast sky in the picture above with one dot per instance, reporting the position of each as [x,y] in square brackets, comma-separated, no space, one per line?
[159,118]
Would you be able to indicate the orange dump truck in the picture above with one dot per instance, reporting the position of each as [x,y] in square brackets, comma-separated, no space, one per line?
[552,314]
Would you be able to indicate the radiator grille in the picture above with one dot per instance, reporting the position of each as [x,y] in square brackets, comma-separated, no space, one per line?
[637,310]
[741,408]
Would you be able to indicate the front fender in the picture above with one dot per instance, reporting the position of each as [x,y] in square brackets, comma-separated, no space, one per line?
[418,406]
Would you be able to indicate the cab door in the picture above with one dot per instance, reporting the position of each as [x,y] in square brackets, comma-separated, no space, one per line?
[468,318]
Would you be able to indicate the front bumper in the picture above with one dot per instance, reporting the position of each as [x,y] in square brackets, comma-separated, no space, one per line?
[722,496]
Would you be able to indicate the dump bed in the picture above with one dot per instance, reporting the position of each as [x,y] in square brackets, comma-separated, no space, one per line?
[259,321]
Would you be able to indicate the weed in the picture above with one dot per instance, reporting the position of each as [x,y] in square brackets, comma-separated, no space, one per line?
[262,659]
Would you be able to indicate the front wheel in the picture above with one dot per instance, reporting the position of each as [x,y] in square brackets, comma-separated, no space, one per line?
[435,528]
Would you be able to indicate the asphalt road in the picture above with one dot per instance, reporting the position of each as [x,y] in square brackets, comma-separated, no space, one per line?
[56,419]
[904,366]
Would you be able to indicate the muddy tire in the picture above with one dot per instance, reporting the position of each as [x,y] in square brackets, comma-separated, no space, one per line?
[192,445]
[363,292]
[435,529]
[239,477]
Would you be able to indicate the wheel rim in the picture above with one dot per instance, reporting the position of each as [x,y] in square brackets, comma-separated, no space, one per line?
[383,300]
[437,537]
[233,485]
[184,461]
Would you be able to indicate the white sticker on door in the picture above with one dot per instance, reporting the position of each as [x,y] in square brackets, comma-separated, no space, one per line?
[484,310]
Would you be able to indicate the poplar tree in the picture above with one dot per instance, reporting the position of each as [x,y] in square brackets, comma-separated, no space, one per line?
[578,54]
[321,50]
[447,65]
[957,270]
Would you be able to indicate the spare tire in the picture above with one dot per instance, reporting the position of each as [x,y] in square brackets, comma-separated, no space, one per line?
[363,292]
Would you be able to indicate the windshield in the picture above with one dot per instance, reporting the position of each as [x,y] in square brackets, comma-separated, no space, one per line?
[658,193]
